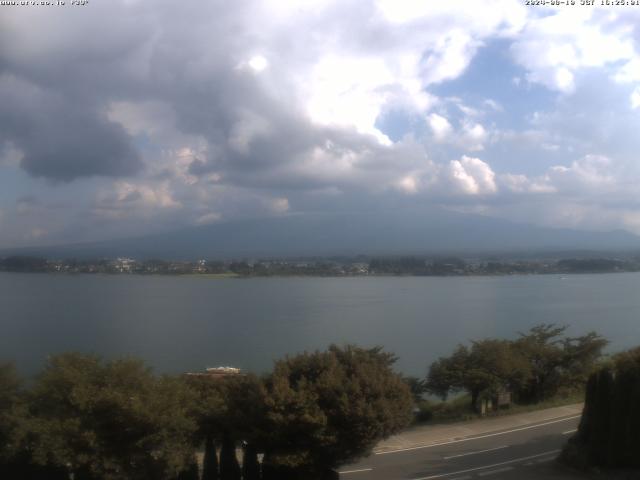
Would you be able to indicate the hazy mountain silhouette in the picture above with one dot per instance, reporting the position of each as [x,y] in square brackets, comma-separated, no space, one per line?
[388,233]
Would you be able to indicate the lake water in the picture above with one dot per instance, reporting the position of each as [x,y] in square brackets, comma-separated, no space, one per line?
[178,324]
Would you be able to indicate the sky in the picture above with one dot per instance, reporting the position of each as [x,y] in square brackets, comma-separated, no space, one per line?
[126,117]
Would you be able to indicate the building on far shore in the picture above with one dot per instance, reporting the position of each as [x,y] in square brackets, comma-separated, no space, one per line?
[217,372]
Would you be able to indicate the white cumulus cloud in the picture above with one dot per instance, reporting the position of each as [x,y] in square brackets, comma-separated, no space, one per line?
[471,176]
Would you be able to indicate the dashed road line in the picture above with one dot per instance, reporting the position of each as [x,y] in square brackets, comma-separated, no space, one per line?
[475,453]
[515,460]
[544,460]
[569,432]
[493,472]
[355,471]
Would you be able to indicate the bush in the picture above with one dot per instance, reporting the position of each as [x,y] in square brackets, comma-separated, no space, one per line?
[423,412]
[327,408]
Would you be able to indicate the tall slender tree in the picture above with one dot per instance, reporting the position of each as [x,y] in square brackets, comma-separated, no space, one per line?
[250,464]
[210,461]
[229,466]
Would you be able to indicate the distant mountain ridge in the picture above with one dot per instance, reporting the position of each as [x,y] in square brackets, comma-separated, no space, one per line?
[389,233]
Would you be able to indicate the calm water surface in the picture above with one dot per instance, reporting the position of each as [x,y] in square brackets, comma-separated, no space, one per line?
[188,323]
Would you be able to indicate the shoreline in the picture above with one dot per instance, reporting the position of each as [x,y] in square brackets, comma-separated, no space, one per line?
[232,275]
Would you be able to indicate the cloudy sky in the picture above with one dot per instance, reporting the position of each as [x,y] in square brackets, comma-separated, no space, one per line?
[125,117]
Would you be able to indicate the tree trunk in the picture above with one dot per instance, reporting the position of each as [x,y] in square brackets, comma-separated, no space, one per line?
[474,400]
[191,472]
[210,462]
[229,466]
[250,464]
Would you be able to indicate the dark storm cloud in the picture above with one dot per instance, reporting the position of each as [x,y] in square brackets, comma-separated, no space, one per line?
[58,71]
[55,95]
[61,139]
[78,147]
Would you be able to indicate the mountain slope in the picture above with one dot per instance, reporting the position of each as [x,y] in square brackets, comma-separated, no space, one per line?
[350,234]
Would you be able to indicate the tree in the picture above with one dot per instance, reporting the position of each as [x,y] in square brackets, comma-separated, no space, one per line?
[447,373]
[557,362]
[229,410]
[210,460]
[110,420]
[190,472]
[250,464]
[229,466]
[326,408]
[15,460]
[487,368]
[542,346]
[10,406]
[534,367]
[580,357]
[417,386]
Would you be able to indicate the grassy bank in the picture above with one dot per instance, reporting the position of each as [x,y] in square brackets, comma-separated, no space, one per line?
[458,410]
[212,275]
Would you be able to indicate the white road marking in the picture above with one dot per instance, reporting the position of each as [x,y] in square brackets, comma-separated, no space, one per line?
[543,460]
[493,472]
[569,432]
[355,471]
[475,453]
[478,437]
[515,460]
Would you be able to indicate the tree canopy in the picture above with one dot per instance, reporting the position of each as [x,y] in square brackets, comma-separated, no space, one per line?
[110,420]
[488,367]
[116,420]
[326,408]
[533,367]
[11,410]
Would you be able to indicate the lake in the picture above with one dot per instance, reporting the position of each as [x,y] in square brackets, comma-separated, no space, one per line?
[178,324]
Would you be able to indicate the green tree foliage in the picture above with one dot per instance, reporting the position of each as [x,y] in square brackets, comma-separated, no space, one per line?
[233,405]
[116,420]
[245,409]
[542,347]
[229,410]
[15,461]
[417,386]
[609,432]
[485,369]
[209,408]
[534,367]
[557,362]
[580,358]
[11,411]
[110,420]
[326,408]
[447,373]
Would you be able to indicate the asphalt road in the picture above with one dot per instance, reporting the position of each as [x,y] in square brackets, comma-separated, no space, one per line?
[519,453]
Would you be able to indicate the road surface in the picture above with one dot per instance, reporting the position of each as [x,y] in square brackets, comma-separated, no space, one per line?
[519,452]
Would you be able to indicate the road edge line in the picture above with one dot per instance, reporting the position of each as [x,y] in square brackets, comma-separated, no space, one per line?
[468,439]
